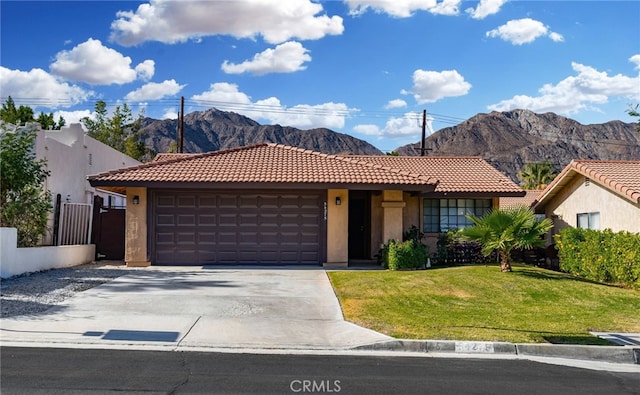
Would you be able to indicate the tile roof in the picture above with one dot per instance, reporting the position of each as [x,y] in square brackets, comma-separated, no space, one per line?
[273,163]
[454,173]
[169,156]
[621,177]
[266,163]
[527,200]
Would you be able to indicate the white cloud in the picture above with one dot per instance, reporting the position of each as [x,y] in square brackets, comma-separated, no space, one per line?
[395,103]
[404,8]
[367,129]
[523,31]
[171,21]
[95,64]
[45,89]
[431,86]
[557,37]
[226,96]
[170,113]
[155,90]
[589,87]
[410,124]
[72,116]
[223,93]
[146,70]
[635,59]
[485,8]
[285,58]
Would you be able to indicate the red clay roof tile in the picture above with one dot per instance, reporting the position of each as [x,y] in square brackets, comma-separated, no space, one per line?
[621,177]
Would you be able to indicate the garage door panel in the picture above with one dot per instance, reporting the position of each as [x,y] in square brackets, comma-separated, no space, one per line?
[188,238]
[207,201]
[207,219]
[166,201]
[237,227]
[186,220]
[165,238]
[186,201]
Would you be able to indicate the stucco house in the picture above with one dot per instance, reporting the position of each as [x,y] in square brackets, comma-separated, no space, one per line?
[71,155]
[594,194]
[275,204]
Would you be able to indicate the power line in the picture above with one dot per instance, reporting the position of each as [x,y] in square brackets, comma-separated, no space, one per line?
[296,110]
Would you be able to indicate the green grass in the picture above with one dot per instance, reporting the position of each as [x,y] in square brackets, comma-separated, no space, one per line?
[528,305]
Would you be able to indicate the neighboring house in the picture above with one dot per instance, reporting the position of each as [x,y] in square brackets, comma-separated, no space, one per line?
[511,202]
[71,155]
[274,204]
[593,194]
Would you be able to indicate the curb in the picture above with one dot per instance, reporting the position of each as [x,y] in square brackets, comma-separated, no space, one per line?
[611,354]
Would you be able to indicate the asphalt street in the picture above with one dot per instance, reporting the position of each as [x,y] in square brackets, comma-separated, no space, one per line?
[106,371]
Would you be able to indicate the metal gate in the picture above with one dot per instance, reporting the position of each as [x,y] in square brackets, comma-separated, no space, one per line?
[108,230]
[75,224]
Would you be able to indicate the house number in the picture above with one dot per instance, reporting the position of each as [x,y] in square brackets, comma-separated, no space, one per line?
[325,211]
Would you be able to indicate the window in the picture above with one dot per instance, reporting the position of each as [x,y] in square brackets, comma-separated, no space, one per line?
[440,215]
[589,220]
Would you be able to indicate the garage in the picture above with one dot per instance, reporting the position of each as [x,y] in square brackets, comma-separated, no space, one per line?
[196,227]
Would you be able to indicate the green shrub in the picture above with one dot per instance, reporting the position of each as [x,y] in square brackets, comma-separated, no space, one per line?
[408,254]
[602,256]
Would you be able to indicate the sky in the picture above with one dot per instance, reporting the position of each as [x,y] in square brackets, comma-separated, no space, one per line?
[361,67]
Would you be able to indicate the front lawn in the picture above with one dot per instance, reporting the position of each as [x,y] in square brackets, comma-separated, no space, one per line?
[480,303]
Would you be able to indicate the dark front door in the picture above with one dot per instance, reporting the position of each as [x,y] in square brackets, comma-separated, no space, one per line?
[359,218]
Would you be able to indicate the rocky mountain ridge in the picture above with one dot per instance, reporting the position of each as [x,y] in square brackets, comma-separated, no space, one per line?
[509,139]
[213,130]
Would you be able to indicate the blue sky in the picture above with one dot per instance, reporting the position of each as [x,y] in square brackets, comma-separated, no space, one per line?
[366,68]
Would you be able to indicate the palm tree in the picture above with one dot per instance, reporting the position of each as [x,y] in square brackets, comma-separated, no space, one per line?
[504,230]
[537,175]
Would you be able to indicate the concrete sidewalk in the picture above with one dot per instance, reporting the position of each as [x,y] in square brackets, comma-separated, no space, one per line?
[265,308]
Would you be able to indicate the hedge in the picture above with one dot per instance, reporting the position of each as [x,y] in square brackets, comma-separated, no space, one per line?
[604,256]
[408,254]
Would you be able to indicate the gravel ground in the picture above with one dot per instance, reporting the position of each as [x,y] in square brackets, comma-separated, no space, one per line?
[37,292]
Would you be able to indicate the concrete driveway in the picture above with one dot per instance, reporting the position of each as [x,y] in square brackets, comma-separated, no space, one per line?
[230,307]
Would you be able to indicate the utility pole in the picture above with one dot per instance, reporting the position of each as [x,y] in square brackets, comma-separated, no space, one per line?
[181,127]
[424,127]
[424,132]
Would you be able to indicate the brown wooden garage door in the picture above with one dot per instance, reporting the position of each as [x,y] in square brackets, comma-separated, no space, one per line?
[200,228]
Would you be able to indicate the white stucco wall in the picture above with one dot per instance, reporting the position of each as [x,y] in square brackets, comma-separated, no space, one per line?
[616,212]
[71,156]
[15,261]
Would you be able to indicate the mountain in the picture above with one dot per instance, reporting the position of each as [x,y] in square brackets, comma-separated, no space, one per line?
[213,130]
[509,139]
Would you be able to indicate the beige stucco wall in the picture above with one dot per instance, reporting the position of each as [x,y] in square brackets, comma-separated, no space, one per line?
[616,212]
[337,227]
[393,205]
[136,253]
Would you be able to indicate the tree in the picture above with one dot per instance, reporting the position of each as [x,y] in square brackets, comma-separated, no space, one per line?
[537,175]
[504,230]
[24,200]
[47,123]
[15,116]
[634,111]
[24,114]
[120,131]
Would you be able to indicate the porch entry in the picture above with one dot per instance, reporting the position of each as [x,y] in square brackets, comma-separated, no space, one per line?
[359,225]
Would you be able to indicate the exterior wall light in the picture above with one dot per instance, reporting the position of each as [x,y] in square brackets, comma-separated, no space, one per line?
[136,200]
[338,201]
